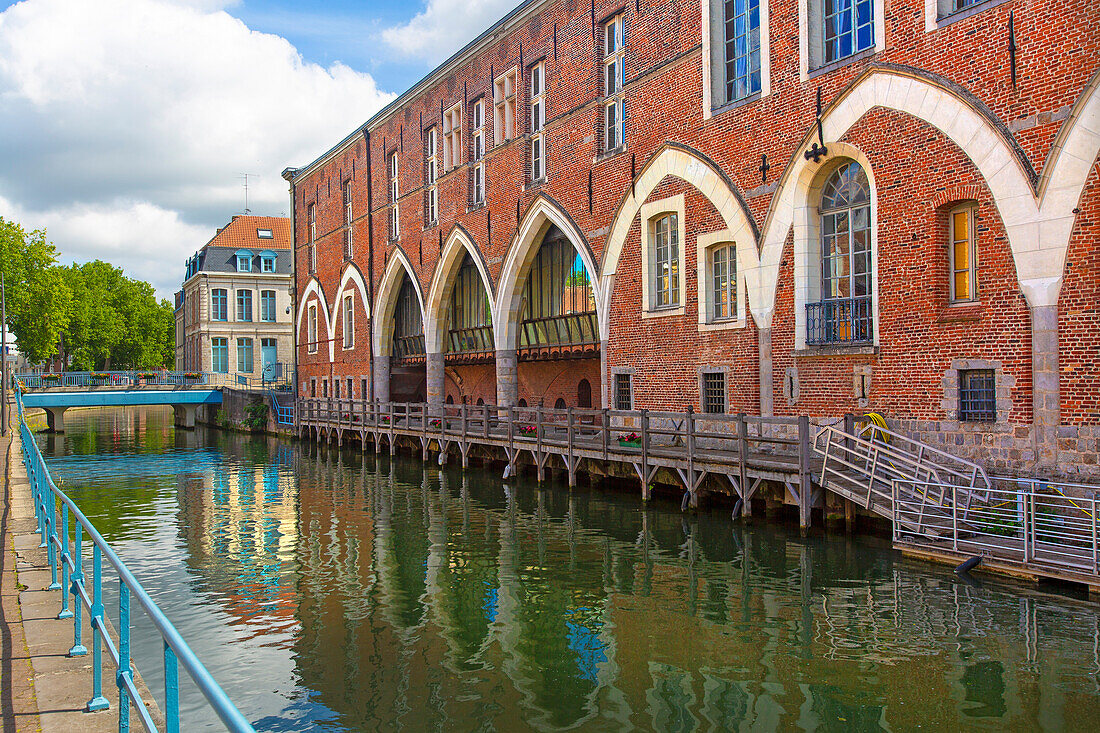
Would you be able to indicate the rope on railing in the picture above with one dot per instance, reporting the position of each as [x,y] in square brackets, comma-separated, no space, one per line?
[69,555]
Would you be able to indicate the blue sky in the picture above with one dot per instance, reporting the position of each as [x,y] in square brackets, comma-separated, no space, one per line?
[126,124]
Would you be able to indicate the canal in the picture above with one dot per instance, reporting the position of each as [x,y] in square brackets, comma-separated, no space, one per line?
[339,591]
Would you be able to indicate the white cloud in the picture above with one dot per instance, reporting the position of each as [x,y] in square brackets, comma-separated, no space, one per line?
[128,123]
[445,26]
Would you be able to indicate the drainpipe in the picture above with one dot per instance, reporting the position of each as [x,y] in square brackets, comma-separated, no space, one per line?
[288,174]
[370,265]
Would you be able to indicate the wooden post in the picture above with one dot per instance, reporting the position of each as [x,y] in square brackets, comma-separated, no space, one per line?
[690,427]
[805,487]
[645,454]
[569,442]
[538,440]
[606,429]
[742,462]
[485,421]
[465,444]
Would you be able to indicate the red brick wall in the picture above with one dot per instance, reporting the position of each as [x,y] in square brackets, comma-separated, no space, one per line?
[913,164]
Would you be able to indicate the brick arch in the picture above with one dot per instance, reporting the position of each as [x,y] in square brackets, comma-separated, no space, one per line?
[382,324]
[458,243]
[1037,228]
[692,167]
[314,288]
[542,212]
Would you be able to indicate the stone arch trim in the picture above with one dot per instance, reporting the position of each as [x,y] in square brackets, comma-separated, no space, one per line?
[353,275]
[315,289]
[1037,226]
[458,243]
[386,301]
[693,167]
[542,212]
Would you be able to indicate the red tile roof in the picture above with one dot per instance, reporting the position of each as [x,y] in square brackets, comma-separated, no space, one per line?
[241,233]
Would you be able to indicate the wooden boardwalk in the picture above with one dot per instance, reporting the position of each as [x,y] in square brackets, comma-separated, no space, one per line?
[742,451]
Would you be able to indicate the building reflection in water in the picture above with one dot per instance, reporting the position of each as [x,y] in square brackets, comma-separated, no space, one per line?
[427,599]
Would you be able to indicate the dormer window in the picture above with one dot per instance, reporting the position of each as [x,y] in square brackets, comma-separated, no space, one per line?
[267,261]
[265,234]
[244,261]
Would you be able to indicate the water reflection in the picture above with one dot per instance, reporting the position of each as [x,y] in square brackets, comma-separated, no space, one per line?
[346,592]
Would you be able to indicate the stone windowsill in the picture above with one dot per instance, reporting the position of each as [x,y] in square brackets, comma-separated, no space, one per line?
[838,350]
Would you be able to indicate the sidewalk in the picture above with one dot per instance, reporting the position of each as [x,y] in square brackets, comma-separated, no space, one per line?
[42,688]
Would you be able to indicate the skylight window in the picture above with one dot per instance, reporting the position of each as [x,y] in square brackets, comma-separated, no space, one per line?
[265,234]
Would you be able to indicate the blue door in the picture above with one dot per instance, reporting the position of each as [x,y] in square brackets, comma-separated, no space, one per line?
[267,355]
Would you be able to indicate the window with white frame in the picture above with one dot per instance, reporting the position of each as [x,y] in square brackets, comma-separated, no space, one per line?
[349,321]
[614,79]
[666,261]
[477,193]
[739,62]
[313,222]
[452,137]
[347,219]
[963,255]
[267,263]
[431,196]
[244,261]
[312,258]
[311,328]
[538,121]
[839,29]
[723,281]
[392,172]
[504,106]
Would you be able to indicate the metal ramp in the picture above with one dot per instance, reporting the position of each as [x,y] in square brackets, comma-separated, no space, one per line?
[921,488]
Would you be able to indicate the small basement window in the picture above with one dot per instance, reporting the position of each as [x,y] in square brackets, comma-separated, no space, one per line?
[977,395]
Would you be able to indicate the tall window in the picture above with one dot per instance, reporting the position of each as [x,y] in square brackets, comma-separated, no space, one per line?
[349,321]
[312,222]
[452,137]
[244,305]
[666,261]
[742,47]
[267,306]
[723,270]
[395,226]
[219,304]
[624,397]
[312,258]
[219,353]
[963,256]
[347,219]
[311,329]
[431,197]
[714,392]
[478,190]
[849,27]
[538,121]
[504,107]
[244,355]
[614,67]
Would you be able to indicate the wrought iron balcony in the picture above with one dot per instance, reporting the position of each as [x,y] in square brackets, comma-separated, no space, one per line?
[840,321]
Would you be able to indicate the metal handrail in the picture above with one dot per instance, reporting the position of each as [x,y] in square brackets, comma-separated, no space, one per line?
[124,379]
[69,555]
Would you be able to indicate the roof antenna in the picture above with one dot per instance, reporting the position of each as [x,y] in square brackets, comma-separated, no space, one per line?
[245,177]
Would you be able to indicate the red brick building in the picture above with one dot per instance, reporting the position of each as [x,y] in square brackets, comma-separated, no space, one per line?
[761,206]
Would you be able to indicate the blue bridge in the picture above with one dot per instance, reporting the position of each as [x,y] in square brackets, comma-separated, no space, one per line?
[55,393]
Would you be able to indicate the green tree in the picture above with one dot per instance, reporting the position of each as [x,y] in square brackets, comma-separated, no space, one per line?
[38,298]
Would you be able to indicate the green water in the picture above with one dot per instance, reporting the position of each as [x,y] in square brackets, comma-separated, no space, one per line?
[338,591]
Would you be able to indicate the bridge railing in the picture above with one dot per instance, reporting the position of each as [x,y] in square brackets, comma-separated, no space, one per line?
[54,511]
[117,379]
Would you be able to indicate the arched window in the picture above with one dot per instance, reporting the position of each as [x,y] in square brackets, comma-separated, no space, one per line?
[844,315]
[584,394]
[480,401]
[522,403]
[559,404]
[450,399]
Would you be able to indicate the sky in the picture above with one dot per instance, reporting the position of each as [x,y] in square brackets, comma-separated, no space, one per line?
[126,125]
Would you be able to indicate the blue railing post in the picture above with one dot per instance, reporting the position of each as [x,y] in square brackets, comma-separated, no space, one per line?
[124,669]
[98,702]
[78,649]
[171,691]
[65,562]
[51,539]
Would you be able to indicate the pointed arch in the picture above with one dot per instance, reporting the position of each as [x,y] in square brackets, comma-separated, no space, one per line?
[693,167]
[315,289]
[543,213]
[388,288]
[1038,235]
[457,245]
[354,276]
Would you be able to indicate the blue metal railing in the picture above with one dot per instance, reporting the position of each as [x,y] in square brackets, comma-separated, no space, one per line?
[121,380]
[284,414]
[840,321]
[67,557]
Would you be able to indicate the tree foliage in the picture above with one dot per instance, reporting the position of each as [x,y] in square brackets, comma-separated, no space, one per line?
[93,313]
